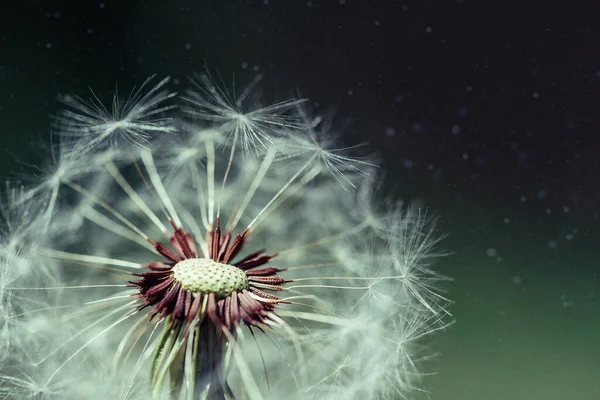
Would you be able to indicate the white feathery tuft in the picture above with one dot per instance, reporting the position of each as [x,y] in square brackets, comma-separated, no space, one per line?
[339,294]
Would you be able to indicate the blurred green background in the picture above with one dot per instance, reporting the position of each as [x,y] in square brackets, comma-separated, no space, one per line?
[484,113]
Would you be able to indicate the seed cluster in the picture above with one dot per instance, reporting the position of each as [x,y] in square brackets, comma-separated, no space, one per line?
[203,275]
[190,283]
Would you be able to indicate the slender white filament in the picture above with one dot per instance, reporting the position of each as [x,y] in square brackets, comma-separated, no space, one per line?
[157,182]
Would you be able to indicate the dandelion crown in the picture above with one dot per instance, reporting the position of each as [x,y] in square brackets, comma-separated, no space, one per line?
[222,249]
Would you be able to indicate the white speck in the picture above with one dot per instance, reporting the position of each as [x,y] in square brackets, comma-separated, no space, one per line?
[102,5]
[569,236]
[465,156]
[491,252]
[390,131]
[188,46]
[377,22]
[455,129]
[548,211]
[469,88]
[517,280]
[506,220]
[309,3]
[535,95]
[523,199]
[342,1]
[398,98]
[552,244]
[350,92]
[48,45]
[408,163]
[428,29]
[430,167]
[244,65]
[89,31]
[255,68]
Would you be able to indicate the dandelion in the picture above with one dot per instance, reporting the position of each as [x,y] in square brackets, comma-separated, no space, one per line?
[254,125]
[319,147]
[184,270]
[133,121]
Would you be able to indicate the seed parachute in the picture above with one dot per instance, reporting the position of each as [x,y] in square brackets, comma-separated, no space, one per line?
[206,246]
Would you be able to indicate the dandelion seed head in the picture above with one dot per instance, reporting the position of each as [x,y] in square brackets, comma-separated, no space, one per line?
[236,117]
[133,121]
[239,252]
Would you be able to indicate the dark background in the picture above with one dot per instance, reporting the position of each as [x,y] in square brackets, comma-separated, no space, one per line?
[483,111]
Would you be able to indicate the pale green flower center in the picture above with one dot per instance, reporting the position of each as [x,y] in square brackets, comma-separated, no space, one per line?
[202,275]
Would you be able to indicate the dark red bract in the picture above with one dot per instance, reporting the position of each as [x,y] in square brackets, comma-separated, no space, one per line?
[160,289]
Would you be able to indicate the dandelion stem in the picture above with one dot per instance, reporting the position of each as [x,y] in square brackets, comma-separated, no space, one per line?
[87,344]
[328,239]
[288,183]
[229,163]
[157,182]
[264,167]
[64,287]
[210,176]
[108,208]
[201,197]
[112,226]
[86,258]
[313,317]
[328,287]
[114,172]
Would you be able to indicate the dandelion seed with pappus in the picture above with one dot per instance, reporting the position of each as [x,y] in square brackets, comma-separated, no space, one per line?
[234,251]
